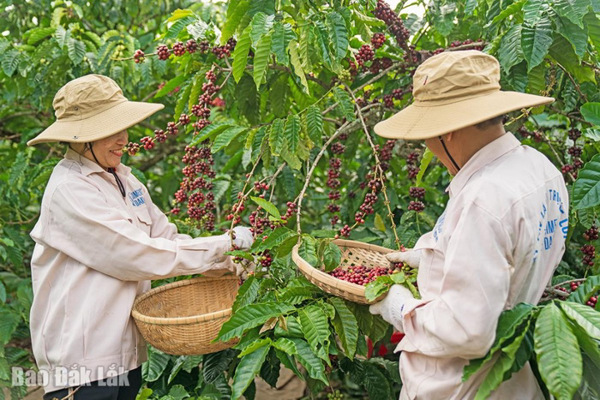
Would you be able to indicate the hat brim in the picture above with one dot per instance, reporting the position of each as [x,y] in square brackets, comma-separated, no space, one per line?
[99,126]
[421,121]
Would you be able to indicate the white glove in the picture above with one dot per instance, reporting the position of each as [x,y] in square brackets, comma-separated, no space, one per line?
[243,237]
[390,308]
[410,257]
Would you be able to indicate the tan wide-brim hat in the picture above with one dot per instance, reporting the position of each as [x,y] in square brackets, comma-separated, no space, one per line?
[454,90]
[91,108]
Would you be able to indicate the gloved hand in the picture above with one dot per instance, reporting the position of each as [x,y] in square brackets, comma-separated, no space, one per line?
[243,237]
[390,308]
[410,257]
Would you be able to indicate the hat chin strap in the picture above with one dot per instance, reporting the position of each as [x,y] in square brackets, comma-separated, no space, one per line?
[447,153]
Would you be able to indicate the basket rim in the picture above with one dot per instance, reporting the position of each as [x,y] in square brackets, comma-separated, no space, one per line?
[180,320]
[313,272]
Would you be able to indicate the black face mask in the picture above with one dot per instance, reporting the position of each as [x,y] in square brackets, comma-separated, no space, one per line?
[112,171]
[448,154]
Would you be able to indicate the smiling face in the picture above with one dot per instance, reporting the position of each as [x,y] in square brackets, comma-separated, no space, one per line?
[109,150]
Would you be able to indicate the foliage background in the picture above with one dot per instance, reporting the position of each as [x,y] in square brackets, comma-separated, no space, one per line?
[291,79]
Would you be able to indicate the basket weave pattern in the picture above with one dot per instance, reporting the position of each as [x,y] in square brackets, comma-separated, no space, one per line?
[354,253]
[184,317]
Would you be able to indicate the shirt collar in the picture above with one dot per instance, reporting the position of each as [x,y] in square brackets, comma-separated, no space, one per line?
[483,157]
[89,167]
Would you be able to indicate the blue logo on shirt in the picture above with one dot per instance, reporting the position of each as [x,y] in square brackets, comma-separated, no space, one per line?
[137,197]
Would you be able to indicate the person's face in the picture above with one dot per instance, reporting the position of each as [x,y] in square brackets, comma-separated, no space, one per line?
[109,150]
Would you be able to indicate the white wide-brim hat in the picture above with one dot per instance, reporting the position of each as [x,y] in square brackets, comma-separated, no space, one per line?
[453,90]
[91,108]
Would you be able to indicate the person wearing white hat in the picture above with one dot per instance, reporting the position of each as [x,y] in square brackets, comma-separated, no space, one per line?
[496,244]
[99,241]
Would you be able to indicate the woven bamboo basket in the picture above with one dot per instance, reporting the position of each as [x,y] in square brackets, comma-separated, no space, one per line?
[184,317]
[353,254]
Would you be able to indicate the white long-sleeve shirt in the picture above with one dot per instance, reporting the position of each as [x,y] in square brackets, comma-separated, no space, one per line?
[497,244]
[95,252]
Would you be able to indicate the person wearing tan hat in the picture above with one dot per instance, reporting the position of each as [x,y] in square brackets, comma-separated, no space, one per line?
[496,244]
[99,241]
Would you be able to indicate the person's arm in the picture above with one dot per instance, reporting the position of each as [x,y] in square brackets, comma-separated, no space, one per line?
[85,227]
[475,278]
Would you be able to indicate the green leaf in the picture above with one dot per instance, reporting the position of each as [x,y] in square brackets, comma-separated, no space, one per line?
[576,35]
[169,86]
[377,385]
[532,11]
[583,315]
[470,6]
[251,316]
[17,170]
[261,25]
[591,112]
[286,345]
[297,64]
[344,103]
[37,34]
[226,137]
[338,34]
[156,365]
[586,189]
[247,370]
[592,24]
[240,54]
[332,256]
[276,138]
[214,364]
[314,124]
[235,12]
[573,10]
[308,250]
[536,41]
[292,132]
[10,61]
[179,25]
[586,290]
[179,13]
[254,345]
[8,324]
[267,206]
[247,293]
[508,323]
[2,293]
[313,365]
[277,237]
[378,287]
[378,223]
[425,161]
[345,325]
[562,51]
[315,326]
[282,35]
[261,59]
[498,373]
[558,355]
[510,52]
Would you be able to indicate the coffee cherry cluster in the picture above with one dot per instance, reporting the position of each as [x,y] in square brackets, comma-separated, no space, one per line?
[592,301]
[162,51]
[226,50]
[411,161]
[378,40]
[147,142]
[591,234]
[397,94]
[132,148]
[178,49]
[138,56]
[536,135]
[589,254]
[417,193]
[394,23]
[365,54]
[360,274]
[335,395]
[197,185]
[379,64]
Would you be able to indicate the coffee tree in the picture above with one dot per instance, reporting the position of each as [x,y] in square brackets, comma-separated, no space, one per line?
[269,124]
